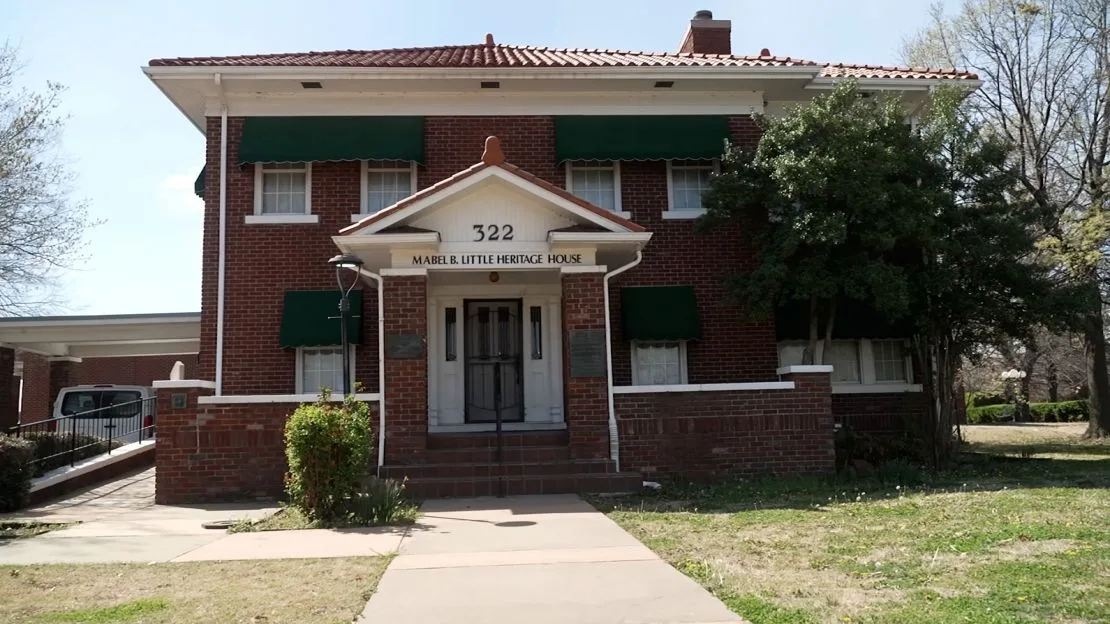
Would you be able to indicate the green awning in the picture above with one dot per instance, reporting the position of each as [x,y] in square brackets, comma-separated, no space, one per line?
[311,318]
[640,137]
[660,313]
[306,139]
[198,185]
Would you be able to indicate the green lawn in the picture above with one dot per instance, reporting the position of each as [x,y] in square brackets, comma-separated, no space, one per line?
[301,591]
[1018,532]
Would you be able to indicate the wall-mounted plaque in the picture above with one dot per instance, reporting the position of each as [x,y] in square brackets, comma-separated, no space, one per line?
[587,353]
[404,346]
[179,400]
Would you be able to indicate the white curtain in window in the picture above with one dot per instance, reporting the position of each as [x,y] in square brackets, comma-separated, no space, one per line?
[687,186]
[322,368]
[658,363]
[595,185]
[385,188]
[843,356]
[890,360]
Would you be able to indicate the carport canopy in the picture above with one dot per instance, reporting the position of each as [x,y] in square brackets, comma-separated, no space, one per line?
[176,333]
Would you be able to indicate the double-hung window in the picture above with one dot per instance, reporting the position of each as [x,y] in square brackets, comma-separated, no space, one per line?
[661,363]
[385,184]
[865,362]
[687,181]
[843,356]
[890,361]
[598,183]
[282,193]
[320,368]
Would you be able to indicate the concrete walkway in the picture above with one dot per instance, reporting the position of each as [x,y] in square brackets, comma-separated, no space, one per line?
[541,559]
[119,522]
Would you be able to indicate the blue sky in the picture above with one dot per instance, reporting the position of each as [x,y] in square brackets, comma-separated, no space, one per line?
[135,156]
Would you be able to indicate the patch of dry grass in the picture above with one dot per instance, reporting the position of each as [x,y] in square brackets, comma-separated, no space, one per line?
[302,591]
[1043,440]
[996,540]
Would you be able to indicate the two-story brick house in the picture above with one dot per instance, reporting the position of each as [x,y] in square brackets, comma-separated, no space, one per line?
[525,217]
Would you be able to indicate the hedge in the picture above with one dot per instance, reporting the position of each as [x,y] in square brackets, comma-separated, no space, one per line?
[983,399]
[56,445]
[15,471]
[1064,411]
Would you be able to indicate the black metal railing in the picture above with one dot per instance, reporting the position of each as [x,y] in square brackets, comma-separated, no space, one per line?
[70,438]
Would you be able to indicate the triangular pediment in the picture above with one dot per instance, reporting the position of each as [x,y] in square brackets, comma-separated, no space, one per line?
[495,197]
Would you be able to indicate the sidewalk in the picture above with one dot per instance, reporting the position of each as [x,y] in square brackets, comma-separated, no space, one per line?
[536,559]
[119,522]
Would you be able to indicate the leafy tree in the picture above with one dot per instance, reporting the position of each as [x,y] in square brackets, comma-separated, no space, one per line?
[41,229]
[922,226]
[1045,65]
[838,182]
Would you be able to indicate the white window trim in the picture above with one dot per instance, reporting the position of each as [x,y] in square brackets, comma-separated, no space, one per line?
[616,169]
[683,380]
[299,385]
[867,370]
[260,218]
[364,186]
[670,212]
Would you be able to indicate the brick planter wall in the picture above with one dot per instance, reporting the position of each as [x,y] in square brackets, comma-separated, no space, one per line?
[704,434]
[221,453]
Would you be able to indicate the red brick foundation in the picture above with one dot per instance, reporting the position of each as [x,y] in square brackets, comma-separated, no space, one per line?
[880,413]
[746,432]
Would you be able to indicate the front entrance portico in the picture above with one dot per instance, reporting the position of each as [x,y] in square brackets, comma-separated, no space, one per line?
[483,258]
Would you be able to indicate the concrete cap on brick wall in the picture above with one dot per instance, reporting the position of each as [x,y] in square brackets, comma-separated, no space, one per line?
[806,369]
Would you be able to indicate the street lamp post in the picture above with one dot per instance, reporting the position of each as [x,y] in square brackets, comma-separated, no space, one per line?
[340,262]
[1012,376]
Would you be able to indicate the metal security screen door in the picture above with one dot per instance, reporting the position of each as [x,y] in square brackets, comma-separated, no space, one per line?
[493,346]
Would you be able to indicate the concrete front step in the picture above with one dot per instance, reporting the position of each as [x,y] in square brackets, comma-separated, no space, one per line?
[489,440]
[491,469]
[451,487]
[488,455]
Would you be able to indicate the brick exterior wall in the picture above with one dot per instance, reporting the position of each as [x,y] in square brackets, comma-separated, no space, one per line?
[730,349]
[707,434]
[39,392]
[406,399]
[264,262]
[585,399]
[9,397]
[37,402]
[267,260]
[881,413]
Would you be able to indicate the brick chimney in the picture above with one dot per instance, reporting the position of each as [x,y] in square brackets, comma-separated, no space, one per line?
[707,35]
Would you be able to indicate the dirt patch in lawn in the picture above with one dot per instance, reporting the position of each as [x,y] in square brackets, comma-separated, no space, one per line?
[309,591]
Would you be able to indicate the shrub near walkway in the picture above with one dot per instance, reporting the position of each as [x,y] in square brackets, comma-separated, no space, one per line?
[997,540]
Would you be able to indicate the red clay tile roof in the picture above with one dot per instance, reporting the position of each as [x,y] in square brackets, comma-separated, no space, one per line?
[501,56]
